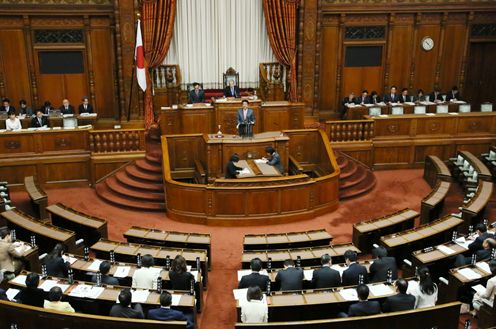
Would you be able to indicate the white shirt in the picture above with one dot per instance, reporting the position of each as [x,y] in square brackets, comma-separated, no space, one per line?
[421,299]
[254,311]
[145,278]
[490,290]
[13,124]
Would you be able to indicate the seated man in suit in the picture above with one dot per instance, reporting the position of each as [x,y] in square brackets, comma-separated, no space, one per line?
[231,90]
[401,301]
[374,97]
[364,307]
[245,119]
[66,107]
[325,277]
[381,265]
[24,108]
[273,159]
[404,96]
[420,96]
[231,168]
[364,98]
[290,278]
[146,276]
[481,235]
[350,99]
[6,107]
[39,120]
[123,309]
[453,94]
[255,279]
[85,107]
[106,278]
[392,97]
[32,295]
[352,274]
[435,96]
[487,246]
[46,108]
[197,95]
[165,313]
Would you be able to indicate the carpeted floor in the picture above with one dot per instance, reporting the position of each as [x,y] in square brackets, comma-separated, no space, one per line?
[395,190]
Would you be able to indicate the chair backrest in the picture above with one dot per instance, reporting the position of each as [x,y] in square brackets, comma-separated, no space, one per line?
[442,109]
[466,164]
[492,154]
[397,110]
[419,109]
[374,111]
[230,74]
[190,86]
[487,107]
[459,159]
[464,108]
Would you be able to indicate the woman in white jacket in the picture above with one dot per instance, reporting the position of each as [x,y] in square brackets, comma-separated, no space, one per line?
[490,289]
[254,309]
[12,123]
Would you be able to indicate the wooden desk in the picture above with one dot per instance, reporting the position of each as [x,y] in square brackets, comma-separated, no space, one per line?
[357,112]
[482,171]
[38,197]
[87,227]
[473,211]
[435,169]
[53,121]
[47,235]
[170,239]
[30,257]
[287,240]
[432,205]
[366,233]
[309,256]
[127,252]
[256,169]
[458,282]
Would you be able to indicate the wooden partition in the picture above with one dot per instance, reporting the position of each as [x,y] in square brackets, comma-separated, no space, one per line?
[243,201]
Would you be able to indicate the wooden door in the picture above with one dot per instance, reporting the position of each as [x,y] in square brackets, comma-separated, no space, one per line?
[481,74]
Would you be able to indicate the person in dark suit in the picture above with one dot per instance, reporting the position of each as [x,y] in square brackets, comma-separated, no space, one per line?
[179,276]
[24,108]
[435,96]
[245,117]
[6,107]
[453,94]
[325,277]
[66,107]
[255,279]
[197,95]
[55,264]
[231,90]
[348,100]
[290,278]
[106,278]
[123,309]
[482,234]
[32,295]
[352,274]
[274,159]
[165,313]
[364,98]
[364,307]
[401,301]
[374,97]
[381,265]
[404,96]
[46,108]
[85,107]
[39,120]
[420,96]
[231,168]
[481,254]
[392,97]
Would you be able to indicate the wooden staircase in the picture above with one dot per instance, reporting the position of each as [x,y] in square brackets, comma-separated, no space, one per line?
[356,179]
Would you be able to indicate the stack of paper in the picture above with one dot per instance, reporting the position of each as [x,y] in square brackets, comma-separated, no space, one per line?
[122,271]
[86,291]
[240,295]
[339,268]
[462,242]
[349,294]
[380,290]
[69,259]
[12,293]
[469,273]
[445,250]
[49,284]
[175,299]
[308,274]
[484,266]
[19,280]
[139,296]
[480,289]
[95,265]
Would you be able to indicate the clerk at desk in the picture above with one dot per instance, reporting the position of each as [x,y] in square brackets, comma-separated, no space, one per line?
[231,168]
[274,159]
[66,107]
[39,120]
[246,117]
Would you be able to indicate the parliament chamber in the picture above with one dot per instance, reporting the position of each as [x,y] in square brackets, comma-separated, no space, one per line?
[232,154]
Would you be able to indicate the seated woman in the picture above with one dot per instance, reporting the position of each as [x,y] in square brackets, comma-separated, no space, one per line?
[425,291]
[490,292]
[54,301]
[55,264]
[179,276]
[254,309]
[13,123]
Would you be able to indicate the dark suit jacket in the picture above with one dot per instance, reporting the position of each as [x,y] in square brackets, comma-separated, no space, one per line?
[421,98]
[326,277]
[26,110]
[399,302]
[70,109]
[3,109]
[364,308]
[168,314]
[378,269]
[290,278]
[350,275]
[477,244]
[377,99]
[194,98]
[231,170]
[433,98]
[406,99]
[228,92]
[450,96]
[276,162]
[57,267]
[254,280]
[120,311]
[181,281]
[250,116]
[89,109]
[364,100]
[36,124]
[394,99]
[45,110]
[33,297]
[107,279]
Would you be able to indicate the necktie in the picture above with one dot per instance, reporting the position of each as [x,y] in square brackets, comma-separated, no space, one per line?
[39,120]
[85,107]
[232,92]
[244,113]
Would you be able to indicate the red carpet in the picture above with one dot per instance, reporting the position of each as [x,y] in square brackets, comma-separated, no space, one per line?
[394,190]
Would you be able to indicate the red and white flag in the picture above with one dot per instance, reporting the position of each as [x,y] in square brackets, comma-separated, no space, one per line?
[139,57]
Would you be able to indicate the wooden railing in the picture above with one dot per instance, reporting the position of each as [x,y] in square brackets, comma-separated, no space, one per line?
[115,141]
[350,130]
[273,81]
[166,76]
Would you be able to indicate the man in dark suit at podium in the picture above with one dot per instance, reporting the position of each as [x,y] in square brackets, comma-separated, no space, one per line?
[246,120]
[325,277]
[231,90]
[39,120]
[197,95]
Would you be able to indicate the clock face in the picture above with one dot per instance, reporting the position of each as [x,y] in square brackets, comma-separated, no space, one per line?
[427,43]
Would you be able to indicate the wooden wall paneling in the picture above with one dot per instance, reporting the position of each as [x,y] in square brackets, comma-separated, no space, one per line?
[309,45]
[275,118]
[328,68]
[295,199]
[454,44]
[231,203]
[75,170]
[444,151]
[264,202]
[14,173]
[396,154]
[400,58]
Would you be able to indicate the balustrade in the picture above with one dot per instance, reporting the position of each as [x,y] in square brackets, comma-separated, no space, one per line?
[115,141]
[350,130]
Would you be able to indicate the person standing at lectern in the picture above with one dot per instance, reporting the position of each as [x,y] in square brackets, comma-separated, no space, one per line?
[274,159]
[231,168]
[246,119]
[197,95]
[231,90]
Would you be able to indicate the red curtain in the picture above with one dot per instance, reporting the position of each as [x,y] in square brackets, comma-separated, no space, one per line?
[158,24]
[281,20]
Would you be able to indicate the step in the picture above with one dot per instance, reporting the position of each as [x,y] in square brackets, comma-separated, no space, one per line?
[135,172]
[348,171]
[343,162]
[106,194]
[149,167]
[126,191]
[359,175]
[127,180]
[154,158]
[360,189]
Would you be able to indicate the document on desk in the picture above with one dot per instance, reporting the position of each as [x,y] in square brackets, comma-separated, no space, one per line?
[139,296]
[12,293]
[95,266]
[69,259]
[462,242]
[86,291]
[349,294]
[240,294]
[49,284]
[469,273]
[176,299]
[22,248]
[483,266]
[122,271]
[339,268]
[445,250]
[308,274]
[260,161]
[379,290]
[19,280]
[479,289]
